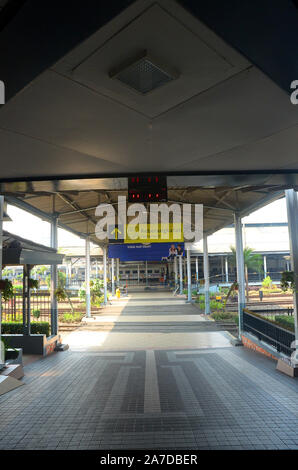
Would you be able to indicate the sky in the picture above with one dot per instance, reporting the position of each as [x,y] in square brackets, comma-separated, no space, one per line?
[31,227]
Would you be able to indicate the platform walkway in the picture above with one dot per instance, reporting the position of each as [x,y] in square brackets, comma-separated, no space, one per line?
[151,389]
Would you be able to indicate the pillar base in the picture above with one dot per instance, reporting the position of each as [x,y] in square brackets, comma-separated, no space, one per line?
[236,342]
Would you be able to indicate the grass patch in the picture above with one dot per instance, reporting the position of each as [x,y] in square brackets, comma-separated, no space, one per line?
[228,316]
[72,318]
[285,321]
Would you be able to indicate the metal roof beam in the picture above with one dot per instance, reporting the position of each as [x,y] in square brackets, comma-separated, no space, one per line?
[14,201]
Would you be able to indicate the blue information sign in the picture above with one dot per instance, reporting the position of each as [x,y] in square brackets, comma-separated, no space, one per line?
[144,252]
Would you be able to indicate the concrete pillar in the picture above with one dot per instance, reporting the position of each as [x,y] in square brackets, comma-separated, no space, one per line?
[292,211]
[113,276]
[180,275]
[265,266]
[227,268]
[188,275]
[87,277]
[1,248]
[105,275]
[96,268]
[240,270]
[206,275]
[54,279]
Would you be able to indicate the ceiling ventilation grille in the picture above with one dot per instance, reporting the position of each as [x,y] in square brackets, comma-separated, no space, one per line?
[143,74]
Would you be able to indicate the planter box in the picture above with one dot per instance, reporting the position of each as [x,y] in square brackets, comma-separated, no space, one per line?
[284,366]
[33,344]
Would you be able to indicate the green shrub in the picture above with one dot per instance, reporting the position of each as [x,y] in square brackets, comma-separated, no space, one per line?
[72,318]
[219,316]
[216,305]
[16,328]
[285,321]
[267,282]
[36,313]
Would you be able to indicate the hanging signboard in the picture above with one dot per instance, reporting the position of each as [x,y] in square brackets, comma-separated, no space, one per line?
[145,251]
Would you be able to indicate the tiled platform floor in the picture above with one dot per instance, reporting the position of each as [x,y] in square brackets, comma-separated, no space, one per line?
[227,398]
[151,390]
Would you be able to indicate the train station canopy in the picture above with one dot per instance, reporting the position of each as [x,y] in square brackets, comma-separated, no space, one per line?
[103,90]
[84,95]
[19,251]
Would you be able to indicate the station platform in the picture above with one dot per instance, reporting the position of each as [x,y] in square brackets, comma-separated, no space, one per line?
[151,390]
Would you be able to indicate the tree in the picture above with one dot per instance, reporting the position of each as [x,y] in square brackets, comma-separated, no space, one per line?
[96,292]
[252,261]
[61,279]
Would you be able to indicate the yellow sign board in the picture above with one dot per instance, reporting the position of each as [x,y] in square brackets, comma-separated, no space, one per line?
[154,233]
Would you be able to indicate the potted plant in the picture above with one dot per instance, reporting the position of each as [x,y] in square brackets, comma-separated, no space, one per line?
[33,283]
[287,281]
[6,289]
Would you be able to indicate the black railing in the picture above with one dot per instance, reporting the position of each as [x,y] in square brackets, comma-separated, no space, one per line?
[275,311]
[266,331]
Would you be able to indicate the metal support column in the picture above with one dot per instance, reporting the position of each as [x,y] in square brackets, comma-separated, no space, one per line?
[113,276]
[146,273]
[227,269]
[26,301]
[176,271]
[292,211]
[206,275]
[240,270]
[138,273]
[188,276]
[180,275]
[87,277]
[197,271]
[54,279]
[118,271]
[265,266]
[105,275]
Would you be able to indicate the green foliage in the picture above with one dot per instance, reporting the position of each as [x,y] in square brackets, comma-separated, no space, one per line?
[252,260]
[219,316]
[200,299]
[6,289]
[216,305]
[285,321]
[72,318]
[33,283]
[61,280]
[16,328]
[96,292]
[36,313]
[287,280]
[60,294]
[267,282]
[40,270]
